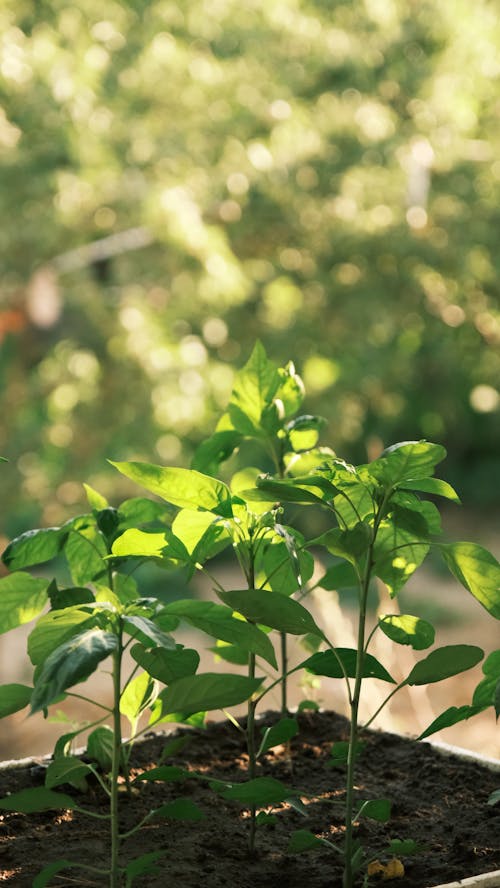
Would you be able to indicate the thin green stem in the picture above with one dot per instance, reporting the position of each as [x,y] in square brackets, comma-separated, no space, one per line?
[116,759]
[384,703]
[88,700]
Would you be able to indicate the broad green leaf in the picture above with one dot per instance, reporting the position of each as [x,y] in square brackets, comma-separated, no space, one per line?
[70,597]
[137,696]
[485,692]
[95,499]
[164,774]
[202,533]
[141,510]
[70,663]
[31,801]
[22,597]
[54,628]
[165,665]
[312,489]
[14,697]
[279,733]
[407,629]
[273,610]
[287,565]
[66,769]
[303,840]
[351,544]
[125,588]
[403,847]
[218,621]
[143,865]
[85,551]
[434,486]
[215,450]
[139,626]
[259,791]
[146,544]
[376,809]
[420,517]
[230,653]
[254,389]
[444,662]
[180,809]
[158,717]
[44,877]
[407,461]
[340,751]
[451,716]
[185,488]
[100,746]
[328,663]
[478,570]
[339,576]
[34,547]
[398,552]
[195,693]
[303,432]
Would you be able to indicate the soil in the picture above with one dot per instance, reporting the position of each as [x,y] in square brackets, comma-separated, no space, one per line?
[439,801]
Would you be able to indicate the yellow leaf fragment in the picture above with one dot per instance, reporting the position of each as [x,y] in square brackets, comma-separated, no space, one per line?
[392,870]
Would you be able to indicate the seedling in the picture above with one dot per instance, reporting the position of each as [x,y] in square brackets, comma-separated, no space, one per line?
[383,529]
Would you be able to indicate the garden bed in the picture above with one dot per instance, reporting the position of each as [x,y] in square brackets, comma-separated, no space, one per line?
[438,800]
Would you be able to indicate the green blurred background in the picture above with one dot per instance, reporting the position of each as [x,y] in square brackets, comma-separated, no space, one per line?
[180,178]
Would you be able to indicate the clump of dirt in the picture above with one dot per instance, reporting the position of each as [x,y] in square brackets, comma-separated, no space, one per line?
[439,801]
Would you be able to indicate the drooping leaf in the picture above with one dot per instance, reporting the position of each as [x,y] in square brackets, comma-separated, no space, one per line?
[70,663]
[139,693]
[486,689]
[279,733]
[273,610]
[14,697]
[478,570]
[70,597]
[196,693]
[434,486]
[185,488]
[143,628]
[451,716]
[66,769]
[215,450]
[329,663]
[218,621]
[351,544]
[166,665]
[287,565]
[34,547]
[44,877]
[55,628]
[180,809]
[407,629]
[22,597]
[259,791]
[444,662]
[376,809]
[35,799]
[100,746]
[303,840]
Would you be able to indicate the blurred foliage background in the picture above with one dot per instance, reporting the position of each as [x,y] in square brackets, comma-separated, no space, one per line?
[180,177]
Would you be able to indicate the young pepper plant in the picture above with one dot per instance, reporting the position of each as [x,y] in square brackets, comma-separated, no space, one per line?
[213,515]
[383,529]
[102,617]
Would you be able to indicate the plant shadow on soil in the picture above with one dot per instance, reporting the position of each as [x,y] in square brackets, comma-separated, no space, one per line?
[437,800]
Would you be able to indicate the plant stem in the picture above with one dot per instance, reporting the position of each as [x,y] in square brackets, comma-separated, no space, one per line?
[116,759]
[252,757]
[284,674]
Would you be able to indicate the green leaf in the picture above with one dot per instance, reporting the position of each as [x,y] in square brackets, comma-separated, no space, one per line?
[44,877]
[404,847]
[273,610]
[375,809]
[339,576]
[66,769]
[14,697]
[279,733]
[71,663]
[185,488]
[72,596]
[166,666]
[85,551]
[478,570]
[146,544]
[203,534]
[303,432]
[195,693]
[218,621]
[312,490]
[407,629]
[259,791]
[327,663]
[287,564]
[140,626]
[451,716]
[434,486]
[143,865]
[55,628]
[484,693]
[180,809]
[254,389]
[100,746]
[398,552]
[494,798]
[340,751]
[137,696]
[32,801]
[351,544]
[164,774]
[34,547]
[95,499]
[22,597]
[230,653]
[303,840]
[215,450]
[141,510]
[444,662]
[407,461]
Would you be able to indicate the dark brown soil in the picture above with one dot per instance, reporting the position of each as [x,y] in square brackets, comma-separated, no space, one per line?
[436,800]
